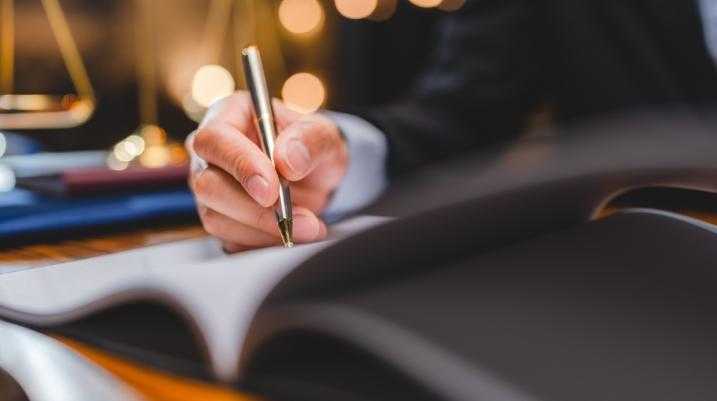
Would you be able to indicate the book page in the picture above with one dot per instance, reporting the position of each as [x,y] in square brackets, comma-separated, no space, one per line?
[219,292]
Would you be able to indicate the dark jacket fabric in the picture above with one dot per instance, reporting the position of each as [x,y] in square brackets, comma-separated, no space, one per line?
[495,61]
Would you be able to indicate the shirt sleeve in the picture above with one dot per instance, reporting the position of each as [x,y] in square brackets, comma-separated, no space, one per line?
[366,177]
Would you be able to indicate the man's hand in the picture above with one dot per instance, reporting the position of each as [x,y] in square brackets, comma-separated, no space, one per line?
[237,191]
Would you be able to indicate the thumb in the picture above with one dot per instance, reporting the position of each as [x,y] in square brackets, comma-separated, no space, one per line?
[305,144]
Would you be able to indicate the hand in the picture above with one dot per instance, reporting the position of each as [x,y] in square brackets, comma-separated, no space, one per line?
[238,188]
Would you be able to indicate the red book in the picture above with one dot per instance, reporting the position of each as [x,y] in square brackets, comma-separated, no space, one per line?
[85,181]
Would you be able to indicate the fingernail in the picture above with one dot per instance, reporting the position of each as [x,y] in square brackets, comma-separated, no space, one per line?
[258,188]
[298,156]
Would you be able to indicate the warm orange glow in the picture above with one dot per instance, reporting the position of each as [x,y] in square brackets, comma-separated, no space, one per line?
[155,156]
[153,135]
[451,5]
[303,92]
[426,3]
[384,11]
[301,16]
[153,384]
[211,83]
[356,9]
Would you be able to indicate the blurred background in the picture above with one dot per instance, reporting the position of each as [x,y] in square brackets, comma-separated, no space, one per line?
[160,63]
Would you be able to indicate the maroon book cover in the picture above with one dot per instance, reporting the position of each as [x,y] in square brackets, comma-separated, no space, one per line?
[83,181]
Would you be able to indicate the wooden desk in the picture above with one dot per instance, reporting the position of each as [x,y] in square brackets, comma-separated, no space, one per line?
[153,384]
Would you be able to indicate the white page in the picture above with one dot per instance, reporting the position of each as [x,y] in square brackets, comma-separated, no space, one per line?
[220,292]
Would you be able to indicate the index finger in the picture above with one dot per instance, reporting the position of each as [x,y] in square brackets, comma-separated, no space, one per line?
[235,110]
[222,145]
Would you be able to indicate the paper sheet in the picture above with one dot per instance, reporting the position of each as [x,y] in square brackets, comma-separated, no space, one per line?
[220,292]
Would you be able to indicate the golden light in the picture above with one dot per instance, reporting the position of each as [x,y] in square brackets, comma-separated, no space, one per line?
[155,156]
[152,134]
[303,92]
[426,3]
[451,5]
[211,83]
[384,11]
[301,16]
[26,102]
[356,9]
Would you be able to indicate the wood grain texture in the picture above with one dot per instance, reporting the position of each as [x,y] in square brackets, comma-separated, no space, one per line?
[43,254]
[152,384]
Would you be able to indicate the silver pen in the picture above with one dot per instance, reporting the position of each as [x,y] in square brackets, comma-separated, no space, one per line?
[266,126]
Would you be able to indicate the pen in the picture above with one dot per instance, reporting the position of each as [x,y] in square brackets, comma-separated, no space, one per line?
[266,125]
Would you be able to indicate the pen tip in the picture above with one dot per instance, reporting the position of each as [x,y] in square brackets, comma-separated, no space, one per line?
[285,229]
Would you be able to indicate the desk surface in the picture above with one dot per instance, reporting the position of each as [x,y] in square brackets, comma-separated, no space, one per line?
[154,385]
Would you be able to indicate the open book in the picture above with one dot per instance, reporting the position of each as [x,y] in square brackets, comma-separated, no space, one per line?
[218,293]
[492,286]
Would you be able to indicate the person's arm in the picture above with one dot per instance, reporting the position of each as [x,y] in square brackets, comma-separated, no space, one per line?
[479,89]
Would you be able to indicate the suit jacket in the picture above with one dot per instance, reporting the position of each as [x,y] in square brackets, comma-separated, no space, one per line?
[497,60]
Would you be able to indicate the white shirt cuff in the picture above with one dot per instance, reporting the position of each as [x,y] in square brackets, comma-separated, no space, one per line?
[366,177]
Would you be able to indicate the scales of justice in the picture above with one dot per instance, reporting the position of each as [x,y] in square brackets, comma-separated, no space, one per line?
[148,145]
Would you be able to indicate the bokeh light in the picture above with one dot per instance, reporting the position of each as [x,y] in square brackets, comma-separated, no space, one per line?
[7,179]
[155,156]
[301,16]
[426,3]
[451,5]
[211,83]
[134,145]
[384,11]
[356,9]
[114,164]
[120,152]
[303,92]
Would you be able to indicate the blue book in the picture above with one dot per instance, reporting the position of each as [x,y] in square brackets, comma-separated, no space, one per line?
[24,214]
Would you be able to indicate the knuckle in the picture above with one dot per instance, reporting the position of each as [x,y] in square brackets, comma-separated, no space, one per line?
[242,165]
[205,139]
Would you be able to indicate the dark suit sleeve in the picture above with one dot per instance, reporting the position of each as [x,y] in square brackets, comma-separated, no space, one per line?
[478,90]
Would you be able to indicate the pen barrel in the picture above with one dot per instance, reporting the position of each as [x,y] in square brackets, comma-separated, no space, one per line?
[265,121]
[283,205]
[267,133]
[261,100]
